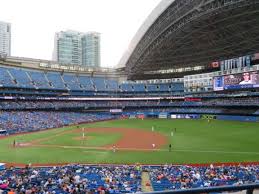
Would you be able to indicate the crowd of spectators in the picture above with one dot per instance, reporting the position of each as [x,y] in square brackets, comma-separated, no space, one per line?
[184,177]
[24,121]
[179,110]
[232,101]
[197,110]
[77,179]
[22,105]
[122,179]
[5,105]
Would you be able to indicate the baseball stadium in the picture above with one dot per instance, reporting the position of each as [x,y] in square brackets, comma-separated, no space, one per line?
[180,113]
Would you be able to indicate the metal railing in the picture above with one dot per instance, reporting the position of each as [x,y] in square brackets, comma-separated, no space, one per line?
[248,187]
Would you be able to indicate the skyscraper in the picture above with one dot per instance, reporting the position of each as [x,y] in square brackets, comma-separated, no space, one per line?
[67,49]
[77,48]
[91,49]
[5,38]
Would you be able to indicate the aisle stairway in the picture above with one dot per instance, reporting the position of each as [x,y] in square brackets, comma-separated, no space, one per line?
[146,184]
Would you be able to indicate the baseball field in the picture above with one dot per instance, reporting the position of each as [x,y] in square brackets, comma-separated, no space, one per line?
[136,141]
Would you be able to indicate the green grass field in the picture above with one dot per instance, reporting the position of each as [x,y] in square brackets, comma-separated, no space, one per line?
[195,141]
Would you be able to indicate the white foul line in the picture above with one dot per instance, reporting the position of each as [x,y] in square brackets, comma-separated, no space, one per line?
[211,151]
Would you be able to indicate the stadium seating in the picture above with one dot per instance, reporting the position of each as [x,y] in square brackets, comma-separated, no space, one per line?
[99,84]
[164,87]
[86,83]
[6,79]
[123,179]
[183,177]
[21,77]
[55,80]
[177,87]
[126,87]
[201,107]
[125,103]
[25,121]
[39,79]
[73,179]
[139,87]
[71,81]
[77,84]
[152,88]
[112,85]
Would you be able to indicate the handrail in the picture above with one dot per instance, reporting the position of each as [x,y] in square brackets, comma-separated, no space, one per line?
[248,187]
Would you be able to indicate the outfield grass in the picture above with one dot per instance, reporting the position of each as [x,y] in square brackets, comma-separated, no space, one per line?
[195,141]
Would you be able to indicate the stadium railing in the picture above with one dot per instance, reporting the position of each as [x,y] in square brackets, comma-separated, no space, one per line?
[248,187]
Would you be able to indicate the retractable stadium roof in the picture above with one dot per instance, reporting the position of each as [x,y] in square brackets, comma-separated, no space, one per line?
[189,33]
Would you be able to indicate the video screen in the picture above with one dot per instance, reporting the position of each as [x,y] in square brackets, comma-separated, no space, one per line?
[218,83]
[236,81]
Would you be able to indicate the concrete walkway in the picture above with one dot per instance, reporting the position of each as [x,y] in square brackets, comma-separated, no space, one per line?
[146,180]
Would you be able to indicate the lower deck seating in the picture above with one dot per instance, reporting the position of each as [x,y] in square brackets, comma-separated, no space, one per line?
[72,179]
[122,179]
[183,177]
[26,121]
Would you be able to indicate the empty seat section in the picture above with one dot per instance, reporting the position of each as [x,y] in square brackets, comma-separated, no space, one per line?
[112,85]
[126,87]
[177,87]
[21,77]
[72,81]
[164,87]
[152,88]
[139,87]
[56,80]
[86,83]
[5,79]
[39,79]
[99,84]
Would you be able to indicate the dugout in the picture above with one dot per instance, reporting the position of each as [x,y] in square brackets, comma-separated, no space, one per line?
[3,132]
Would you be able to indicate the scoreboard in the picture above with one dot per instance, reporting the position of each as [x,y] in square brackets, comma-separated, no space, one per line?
[236,81]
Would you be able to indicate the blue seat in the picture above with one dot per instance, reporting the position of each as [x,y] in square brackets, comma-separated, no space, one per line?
[5,78]
[21,77]
[86,83]
[56,81]
[72,81]
[39,79]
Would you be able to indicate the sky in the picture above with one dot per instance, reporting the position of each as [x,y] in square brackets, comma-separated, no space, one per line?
[34,23]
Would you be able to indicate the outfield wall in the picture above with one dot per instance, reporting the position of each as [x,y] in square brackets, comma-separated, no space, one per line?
[238,118]
[191,116]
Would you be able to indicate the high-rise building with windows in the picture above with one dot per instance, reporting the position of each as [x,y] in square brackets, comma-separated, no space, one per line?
[5,38]
[67,49]
[91,49]
[77,48]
